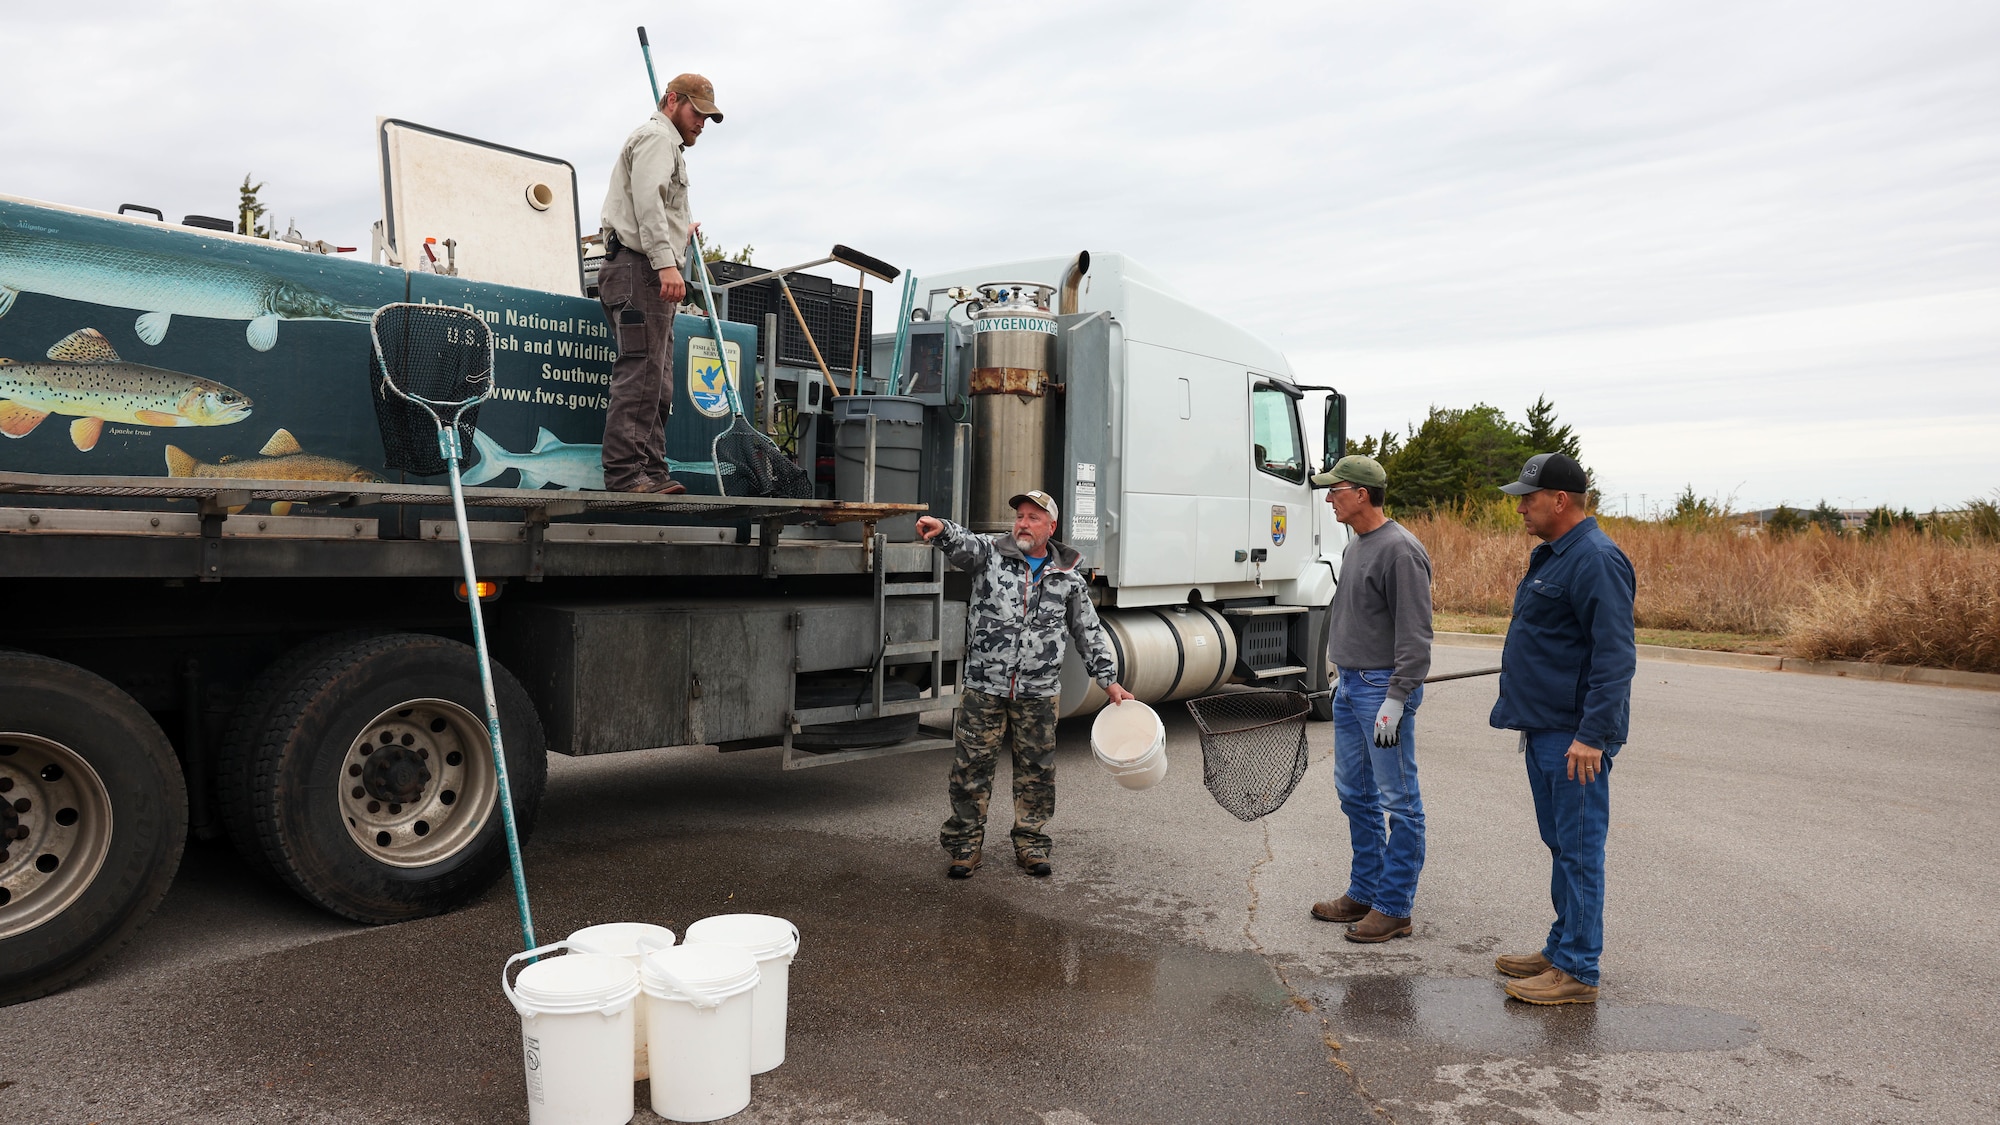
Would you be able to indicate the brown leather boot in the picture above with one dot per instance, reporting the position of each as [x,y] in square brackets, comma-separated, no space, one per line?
[1521,964]
[1036,865]
[1377,926]
[1552,987]
[1342,909]
[962,866]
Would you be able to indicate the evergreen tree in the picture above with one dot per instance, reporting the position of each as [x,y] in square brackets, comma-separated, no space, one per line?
[250,210]
[1786,521]
[1544,436]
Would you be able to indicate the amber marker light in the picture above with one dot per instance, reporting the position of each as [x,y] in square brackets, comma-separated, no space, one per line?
[487,591]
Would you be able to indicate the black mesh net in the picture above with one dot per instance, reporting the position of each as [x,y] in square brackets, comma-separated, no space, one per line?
[748,463]
[436,353]
[1253,748]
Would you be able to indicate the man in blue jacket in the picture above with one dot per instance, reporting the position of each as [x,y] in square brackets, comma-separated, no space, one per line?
[1566,685]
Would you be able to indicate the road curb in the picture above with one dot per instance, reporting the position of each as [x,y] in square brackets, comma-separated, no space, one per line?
[1853,669]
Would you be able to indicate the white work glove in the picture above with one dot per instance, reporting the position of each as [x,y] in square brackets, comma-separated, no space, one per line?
[1389,723]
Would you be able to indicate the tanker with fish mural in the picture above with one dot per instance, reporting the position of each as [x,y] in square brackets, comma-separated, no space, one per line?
[124,329]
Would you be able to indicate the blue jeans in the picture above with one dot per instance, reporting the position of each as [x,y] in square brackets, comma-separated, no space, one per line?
[1574,820]
[1378,784]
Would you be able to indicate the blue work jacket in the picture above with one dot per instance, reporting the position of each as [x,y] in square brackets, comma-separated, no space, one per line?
[1570,652]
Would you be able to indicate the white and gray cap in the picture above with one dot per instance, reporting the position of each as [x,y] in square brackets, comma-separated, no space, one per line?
[1040,499]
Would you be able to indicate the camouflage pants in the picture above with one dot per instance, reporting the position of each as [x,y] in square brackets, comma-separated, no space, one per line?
[1028,728]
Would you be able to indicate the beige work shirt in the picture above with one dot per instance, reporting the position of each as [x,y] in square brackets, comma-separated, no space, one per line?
[647,206]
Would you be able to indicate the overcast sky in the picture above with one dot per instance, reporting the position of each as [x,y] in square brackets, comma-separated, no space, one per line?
[1749,246]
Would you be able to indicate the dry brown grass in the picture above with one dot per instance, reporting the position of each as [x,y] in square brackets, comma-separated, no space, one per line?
[1898,598]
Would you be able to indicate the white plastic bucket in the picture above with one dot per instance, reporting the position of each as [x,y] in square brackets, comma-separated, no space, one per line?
[698,1017]
[773,942]
[576,1035]
[630,940]
[1130,742]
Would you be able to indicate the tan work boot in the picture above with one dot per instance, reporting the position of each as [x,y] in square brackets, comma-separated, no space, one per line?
[1376,926]
[1036,865]
[1522,964]
[1342,909]
[1552,987]
[962,866]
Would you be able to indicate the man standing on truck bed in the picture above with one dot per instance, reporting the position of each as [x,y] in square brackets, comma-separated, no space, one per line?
[1026,593]
[1566,685]
[1380,638]
[645,227]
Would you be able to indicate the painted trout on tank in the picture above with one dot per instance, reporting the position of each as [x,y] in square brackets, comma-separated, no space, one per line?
[282,458]
[36,259]
[84,378]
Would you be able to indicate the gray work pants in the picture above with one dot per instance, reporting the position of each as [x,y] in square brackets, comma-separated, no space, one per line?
[642,377]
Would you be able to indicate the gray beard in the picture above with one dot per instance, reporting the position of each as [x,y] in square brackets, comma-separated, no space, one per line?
[1026,544]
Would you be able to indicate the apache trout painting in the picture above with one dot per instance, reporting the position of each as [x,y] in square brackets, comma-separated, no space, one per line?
[161,285]
[85,379]
[280,459]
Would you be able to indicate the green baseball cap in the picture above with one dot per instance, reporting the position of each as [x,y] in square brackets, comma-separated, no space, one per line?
[1354,469]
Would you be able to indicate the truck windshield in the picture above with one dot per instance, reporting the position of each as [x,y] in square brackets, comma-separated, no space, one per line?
[1274,423]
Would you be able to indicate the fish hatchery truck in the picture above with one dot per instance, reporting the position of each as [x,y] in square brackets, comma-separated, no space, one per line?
[232,603]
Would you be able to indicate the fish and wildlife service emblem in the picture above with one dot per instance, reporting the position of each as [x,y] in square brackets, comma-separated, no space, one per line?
[709,389]
[1278,525]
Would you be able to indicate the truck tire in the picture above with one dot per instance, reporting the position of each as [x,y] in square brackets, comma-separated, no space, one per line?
[236,758]
[375,794]
[95,815]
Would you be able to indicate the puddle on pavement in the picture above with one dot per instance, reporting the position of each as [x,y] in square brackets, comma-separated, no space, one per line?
[1002,999]
[1475,1016]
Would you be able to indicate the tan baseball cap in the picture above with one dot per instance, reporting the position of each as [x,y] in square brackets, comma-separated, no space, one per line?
[1040,500]
[698,90]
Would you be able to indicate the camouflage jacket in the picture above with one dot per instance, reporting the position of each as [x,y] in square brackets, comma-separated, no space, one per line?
[1014,632]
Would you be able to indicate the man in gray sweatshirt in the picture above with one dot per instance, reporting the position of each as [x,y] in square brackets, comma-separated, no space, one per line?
[1381,641]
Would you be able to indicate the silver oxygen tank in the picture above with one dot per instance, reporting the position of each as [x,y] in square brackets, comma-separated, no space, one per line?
[1013,350]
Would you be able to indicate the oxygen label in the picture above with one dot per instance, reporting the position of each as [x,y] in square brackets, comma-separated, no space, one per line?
[1040,324]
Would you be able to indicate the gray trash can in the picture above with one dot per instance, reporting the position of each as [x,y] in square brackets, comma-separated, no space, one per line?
[899,457]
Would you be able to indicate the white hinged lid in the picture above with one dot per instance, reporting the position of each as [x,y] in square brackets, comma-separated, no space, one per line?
[576,982]
[622,939]
[704,974]
[761,935]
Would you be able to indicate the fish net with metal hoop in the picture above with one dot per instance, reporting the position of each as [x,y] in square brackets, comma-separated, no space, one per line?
[747,463]
[1253,748]
[433,365]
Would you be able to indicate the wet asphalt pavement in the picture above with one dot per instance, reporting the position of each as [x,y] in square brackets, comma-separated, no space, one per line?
[1801,927]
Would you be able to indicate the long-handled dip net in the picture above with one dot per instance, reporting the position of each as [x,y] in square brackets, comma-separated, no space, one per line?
[1253,748]
[747,462]
[439,360]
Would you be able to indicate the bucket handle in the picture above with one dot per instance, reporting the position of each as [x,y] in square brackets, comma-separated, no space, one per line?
[507,986]
[648,944]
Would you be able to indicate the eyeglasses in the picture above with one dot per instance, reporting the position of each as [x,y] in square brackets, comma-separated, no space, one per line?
[1348,488]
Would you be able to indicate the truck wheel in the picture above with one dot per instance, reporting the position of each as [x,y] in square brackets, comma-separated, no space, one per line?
[375,792]
[93,815]
[236,758]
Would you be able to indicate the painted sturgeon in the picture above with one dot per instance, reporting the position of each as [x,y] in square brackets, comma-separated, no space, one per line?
[162,285]
[85,379]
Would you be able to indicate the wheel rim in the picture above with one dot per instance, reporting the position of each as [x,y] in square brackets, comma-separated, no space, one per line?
[55,830]
[417,783]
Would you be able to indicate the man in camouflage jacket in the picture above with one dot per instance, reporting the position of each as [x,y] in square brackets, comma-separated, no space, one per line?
[1027,593]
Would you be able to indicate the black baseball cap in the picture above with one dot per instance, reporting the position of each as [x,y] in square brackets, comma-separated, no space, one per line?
[1549,470]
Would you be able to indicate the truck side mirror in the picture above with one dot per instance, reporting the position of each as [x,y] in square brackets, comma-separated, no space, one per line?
[1335,433]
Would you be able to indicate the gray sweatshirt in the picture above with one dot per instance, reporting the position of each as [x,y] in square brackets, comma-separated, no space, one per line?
[1382,608]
